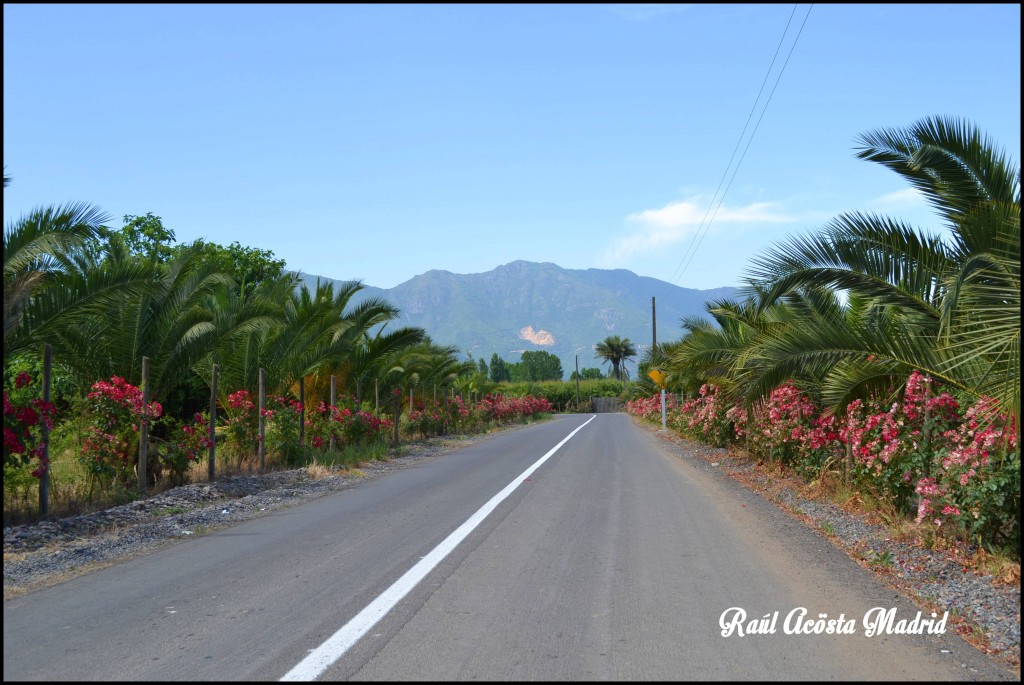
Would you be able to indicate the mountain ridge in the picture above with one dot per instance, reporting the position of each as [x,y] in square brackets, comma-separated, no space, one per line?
[525,305]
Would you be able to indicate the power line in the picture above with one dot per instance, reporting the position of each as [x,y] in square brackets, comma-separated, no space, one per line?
[707,226]
[738,141]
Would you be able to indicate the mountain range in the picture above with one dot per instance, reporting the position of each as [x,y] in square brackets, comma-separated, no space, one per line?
[540,306]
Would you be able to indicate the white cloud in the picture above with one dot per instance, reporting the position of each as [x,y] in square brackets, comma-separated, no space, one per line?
[908,198]
[676,221]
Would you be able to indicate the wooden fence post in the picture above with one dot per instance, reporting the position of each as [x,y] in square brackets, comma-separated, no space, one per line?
[847,463]
[398,413]
[260,448]
[302,418]
[334,402]
[44,479]
[144,429]
[926,434]
[211,467]
[577,382]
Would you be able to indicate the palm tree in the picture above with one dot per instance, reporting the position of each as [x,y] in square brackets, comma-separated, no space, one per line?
[710,350]
[366,346]
[368,356]
[727,349]
[35,250]
[616,351]
[163,317]
[297,333]
[243,319]
[948,306]
[427,364]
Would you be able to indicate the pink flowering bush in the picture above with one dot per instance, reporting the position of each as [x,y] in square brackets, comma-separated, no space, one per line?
[429,421]
[347,424]
[324,422]
[243,428]
[821,446]
[738,416]
[960,471]
[702,418]
[25,414]
[453,416]
[501,410]
[111,447]
[788,427]
[974,480]
[893,447]
[364,427]
[707,418]
[188,444]
[460,418]
[779,425]
[649,408]
[284,417]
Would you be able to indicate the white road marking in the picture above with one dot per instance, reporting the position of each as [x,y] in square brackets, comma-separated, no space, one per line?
[321,658]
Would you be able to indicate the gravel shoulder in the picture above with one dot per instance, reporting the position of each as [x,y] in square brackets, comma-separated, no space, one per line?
[983,610]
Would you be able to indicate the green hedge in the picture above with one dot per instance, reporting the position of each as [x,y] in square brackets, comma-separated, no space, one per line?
[562,394]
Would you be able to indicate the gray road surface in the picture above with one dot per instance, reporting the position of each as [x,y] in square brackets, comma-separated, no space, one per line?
[612,561]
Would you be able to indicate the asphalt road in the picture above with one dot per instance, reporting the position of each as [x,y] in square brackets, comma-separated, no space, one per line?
[611,560]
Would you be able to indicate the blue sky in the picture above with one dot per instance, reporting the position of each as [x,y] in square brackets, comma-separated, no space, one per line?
[377,142]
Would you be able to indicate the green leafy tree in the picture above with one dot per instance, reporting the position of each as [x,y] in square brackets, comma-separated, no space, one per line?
[500,371]
[423,367]
[145,237]
[305,332]
[537,365]
[588,374]
[249,266]
[725,350]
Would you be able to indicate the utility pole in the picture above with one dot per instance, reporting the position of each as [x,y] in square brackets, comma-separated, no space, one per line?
[654,351]
[654,327]
[577,382]
[144,429]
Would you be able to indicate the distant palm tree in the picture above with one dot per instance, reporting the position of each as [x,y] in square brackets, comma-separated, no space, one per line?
[428,364]
[616,351]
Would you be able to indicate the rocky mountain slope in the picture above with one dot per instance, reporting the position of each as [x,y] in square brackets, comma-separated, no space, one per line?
[541,306]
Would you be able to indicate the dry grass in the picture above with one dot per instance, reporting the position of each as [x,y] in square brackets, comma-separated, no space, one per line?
[1002,568]
[319,471]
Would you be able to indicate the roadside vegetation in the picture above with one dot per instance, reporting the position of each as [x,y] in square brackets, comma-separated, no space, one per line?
[303,375]
[874,359]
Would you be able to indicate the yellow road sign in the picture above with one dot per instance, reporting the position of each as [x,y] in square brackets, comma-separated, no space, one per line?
[658,377]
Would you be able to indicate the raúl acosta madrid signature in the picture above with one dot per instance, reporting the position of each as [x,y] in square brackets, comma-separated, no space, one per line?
[799,621]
